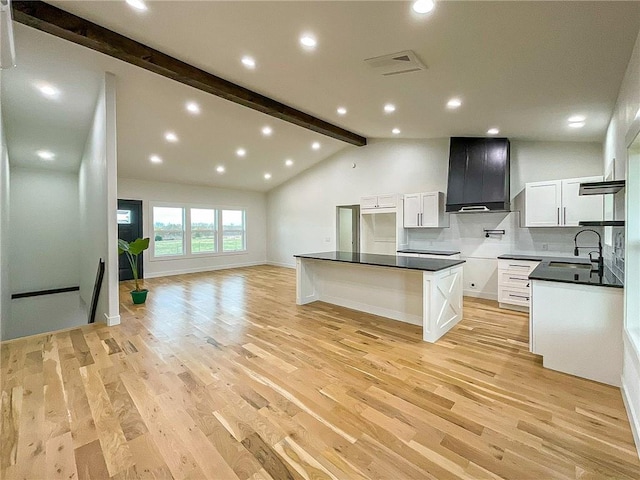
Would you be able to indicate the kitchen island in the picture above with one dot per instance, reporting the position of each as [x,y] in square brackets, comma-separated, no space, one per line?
[420,291]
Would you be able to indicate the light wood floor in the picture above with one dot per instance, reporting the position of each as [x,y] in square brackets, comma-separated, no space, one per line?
[222,376]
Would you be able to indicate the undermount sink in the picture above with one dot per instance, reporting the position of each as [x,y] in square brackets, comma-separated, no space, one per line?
[569,265]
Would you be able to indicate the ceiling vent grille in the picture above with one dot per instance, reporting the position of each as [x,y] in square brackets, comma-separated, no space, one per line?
[396,63]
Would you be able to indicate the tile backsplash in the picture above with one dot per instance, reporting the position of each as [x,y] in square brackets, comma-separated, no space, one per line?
[614,254]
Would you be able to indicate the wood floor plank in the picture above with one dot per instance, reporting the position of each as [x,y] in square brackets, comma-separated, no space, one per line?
[220,375]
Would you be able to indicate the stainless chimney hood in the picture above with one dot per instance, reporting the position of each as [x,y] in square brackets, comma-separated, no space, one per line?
[601,188]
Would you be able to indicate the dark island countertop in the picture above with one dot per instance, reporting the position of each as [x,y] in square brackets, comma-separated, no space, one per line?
[393,261]
[444,253]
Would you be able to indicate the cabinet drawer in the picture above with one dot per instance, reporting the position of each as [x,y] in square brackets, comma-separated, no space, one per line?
[517,266]
[508,278]
[514,296]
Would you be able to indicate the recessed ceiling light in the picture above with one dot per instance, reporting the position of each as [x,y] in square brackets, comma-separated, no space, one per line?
[267,176]
[46,154]
[423,6]
[389,107]
[454,103]
[48,90]
[493,131]
[288,162]
[576,119]
[266,131]
[315,145]
[220,169]
[395,131]
[248,62]
[155,159]
[193,107]
[308,41]
[241,152]
[341,111]
[171,137]
[576,124]
[137,4]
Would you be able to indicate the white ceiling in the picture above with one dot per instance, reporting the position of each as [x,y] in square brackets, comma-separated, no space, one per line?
[524,67]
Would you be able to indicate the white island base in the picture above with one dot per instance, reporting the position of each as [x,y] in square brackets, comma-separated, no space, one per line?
[430,299]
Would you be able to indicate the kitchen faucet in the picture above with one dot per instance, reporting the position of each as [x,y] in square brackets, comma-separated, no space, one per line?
[600,260]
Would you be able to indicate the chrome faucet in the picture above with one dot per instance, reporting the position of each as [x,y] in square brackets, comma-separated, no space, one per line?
[599,261]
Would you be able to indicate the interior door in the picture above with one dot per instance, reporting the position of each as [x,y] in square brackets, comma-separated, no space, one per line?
[348,228]
[129,228]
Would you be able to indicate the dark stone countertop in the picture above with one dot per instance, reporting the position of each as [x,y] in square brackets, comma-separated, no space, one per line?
[393,261]
[444,253]
[579,276]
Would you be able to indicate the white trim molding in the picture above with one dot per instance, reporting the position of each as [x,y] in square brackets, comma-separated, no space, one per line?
[112,320]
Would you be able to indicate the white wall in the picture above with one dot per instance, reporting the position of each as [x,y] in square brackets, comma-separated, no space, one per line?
[5,289]
[44,237]
[622,121]
[98,204]
[302,211]
[253,202]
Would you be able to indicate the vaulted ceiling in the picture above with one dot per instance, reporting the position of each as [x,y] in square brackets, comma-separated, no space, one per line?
[523,67]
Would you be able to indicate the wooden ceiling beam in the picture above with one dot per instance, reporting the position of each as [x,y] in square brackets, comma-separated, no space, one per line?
[50,19]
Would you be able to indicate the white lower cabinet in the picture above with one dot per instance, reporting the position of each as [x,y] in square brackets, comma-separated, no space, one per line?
[578,329]
[514,287]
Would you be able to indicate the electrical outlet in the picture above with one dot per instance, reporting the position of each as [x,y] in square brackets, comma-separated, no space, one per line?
[545,246]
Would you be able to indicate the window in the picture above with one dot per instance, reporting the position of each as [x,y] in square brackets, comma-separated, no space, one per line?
[186,231]
[168,231]
[203,230]
[233,234]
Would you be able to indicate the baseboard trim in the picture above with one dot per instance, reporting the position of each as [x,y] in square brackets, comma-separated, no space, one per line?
[633,418]
[112,320]
[284,265]
[477,294]
[632,413]
[183,271]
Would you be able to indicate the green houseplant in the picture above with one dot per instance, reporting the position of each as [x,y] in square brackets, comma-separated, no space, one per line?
[132,251]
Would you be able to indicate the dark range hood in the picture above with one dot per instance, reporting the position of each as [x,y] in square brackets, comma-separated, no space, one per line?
[478,175]
[601,188]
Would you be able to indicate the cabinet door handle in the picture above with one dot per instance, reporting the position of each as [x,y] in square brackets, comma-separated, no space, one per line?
[528,284]
[565,215]
[558,215]
[518,266]
[518,296]
[422,219]
[516,278]
[417,219]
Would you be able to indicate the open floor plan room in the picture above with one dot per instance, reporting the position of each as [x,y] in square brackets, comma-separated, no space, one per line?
[222,376]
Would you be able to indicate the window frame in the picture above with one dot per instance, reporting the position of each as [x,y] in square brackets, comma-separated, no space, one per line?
[186,215]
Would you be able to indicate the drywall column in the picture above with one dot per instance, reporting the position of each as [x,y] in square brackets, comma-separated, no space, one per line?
[5,293]
[98,202]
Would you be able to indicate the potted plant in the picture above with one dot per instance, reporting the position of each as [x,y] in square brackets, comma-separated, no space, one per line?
[132,251]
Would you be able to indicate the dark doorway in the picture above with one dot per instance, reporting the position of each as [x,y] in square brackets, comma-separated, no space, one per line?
[129,228]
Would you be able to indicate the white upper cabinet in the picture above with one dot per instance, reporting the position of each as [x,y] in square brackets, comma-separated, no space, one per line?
[372,202]
[424,210]
[576,208]
[556,203]
[543,203]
